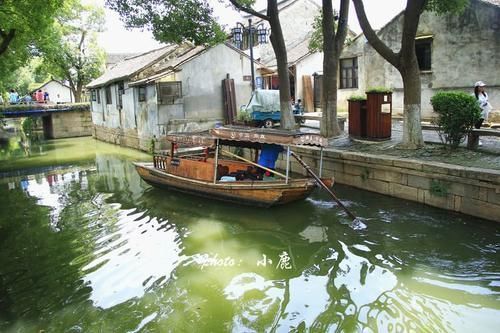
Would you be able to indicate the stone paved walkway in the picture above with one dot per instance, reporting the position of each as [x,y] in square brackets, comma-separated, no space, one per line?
[486,156]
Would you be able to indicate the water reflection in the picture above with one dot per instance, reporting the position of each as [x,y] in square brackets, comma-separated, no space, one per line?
[92,248]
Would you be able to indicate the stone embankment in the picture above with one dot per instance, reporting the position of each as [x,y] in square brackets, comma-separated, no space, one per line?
[464,181]
[467,190]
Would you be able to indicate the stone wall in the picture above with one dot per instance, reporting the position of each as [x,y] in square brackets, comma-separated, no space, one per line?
[466,190]
[69,124]
[121,137]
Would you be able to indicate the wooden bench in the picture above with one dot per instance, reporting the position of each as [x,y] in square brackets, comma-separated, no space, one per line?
[473,137]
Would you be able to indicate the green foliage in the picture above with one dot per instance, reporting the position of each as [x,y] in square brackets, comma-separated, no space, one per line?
[172,20]
[357,98]
[438,188]
[244,115]
[441,7]
[30,23]
[25,79]
[381,90]
[457,114]
[27,126]
[73,53]
[152,145]
[316,41]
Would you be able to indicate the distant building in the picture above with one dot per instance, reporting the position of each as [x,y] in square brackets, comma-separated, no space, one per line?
[59,92]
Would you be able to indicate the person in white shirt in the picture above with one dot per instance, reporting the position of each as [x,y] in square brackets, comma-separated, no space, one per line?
[13,97]
[482,100]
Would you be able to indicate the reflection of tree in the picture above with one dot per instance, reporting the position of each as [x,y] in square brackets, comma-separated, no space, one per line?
[37,272]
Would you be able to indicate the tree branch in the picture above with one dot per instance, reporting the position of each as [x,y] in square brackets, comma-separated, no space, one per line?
[373,39]
[6,39]
[410,25]
[342,26]
[248,10]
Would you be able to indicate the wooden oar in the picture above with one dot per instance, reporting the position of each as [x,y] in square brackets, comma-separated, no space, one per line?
[320,182]
[255,164]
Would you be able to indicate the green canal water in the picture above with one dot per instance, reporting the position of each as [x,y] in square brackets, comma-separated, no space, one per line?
[86,246]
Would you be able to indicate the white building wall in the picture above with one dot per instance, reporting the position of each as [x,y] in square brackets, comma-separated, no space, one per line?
[202,82]
[97,108]
[147,115]
[55,88]
[129,110]
[307,66]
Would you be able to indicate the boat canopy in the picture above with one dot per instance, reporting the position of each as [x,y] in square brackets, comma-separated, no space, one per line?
[248,137]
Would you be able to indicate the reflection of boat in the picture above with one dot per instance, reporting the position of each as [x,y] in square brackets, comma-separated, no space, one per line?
[204,171]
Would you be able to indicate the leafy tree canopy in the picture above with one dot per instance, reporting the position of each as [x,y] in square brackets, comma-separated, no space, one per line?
[72,53]
[24,24]
[173,21]
[316,40]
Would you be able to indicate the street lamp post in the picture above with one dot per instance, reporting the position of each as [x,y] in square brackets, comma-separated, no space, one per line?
[238,33]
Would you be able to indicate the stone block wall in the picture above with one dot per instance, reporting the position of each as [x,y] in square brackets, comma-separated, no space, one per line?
[70,124]
[466,190]
[121,137]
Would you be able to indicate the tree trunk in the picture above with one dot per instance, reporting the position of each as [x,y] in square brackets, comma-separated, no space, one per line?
[73,88]
[78,93]
[406,63]
[329,123]
[332,47]
[6,39]
[412,129]
[279,47]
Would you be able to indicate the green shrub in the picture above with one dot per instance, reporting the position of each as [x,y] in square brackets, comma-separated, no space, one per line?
[457,114]
[244,115]
[357,98]
[383,90]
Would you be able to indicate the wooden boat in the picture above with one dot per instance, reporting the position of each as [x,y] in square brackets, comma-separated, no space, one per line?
[200,171]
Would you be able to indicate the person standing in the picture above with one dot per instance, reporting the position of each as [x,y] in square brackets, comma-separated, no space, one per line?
[39,96]
[13,97]
[482,100]
[268,156]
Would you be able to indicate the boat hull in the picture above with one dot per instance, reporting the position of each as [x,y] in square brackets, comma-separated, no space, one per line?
[255,193]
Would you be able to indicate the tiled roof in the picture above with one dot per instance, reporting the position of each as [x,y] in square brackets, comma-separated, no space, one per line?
[294,53]
[131,66]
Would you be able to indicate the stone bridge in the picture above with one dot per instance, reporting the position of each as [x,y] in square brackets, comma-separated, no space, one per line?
[59,121]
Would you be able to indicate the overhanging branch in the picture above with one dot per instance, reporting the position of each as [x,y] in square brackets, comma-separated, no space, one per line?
[248,10]
[372,37]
